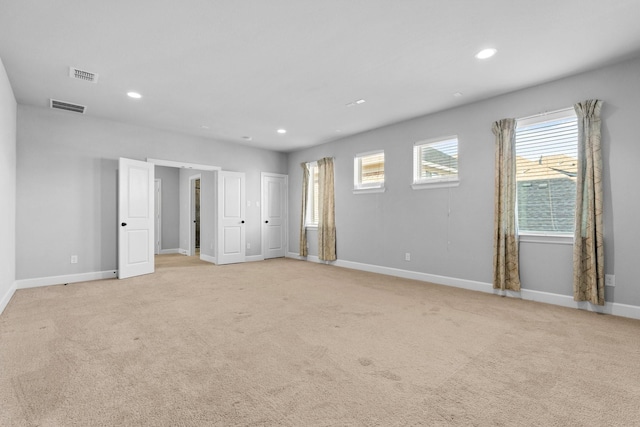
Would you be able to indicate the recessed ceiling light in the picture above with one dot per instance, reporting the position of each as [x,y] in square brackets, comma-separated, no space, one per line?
[247,138]
[486,53]
[134,95]
[457,94]
[205,127]
[282,131]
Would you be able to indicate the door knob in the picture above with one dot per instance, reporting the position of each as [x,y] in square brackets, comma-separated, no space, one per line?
[242,222]
[124,224]
[266,222]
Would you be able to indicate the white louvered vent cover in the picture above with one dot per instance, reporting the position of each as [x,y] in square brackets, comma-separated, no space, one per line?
[67,106]
[87,76]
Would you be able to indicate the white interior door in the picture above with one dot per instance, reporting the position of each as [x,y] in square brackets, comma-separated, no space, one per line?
[274,211]
[135,218]
[231,217]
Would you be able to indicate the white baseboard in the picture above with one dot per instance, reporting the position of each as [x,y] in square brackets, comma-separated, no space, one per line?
[7,297]
[615,309]
[69,278]
[208,258]
[169,251]
[251,258]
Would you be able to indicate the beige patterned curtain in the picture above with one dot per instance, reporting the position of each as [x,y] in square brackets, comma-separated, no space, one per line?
[303,217]
[588,249]
[506,274]
[326,211]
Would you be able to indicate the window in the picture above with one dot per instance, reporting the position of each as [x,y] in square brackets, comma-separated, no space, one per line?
[435,162]
[312,203]
[368,172]
[546,169]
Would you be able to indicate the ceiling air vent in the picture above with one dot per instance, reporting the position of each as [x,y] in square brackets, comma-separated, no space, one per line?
[87,76]
[67,106]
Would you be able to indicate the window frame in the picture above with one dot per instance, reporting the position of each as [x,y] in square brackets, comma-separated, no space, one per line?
[546,237]
[312,197]
[438,182]
[370,187]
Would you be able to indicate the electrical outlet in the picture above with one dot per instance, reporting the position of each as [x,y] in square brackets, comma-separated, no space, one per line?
[610,280]
[407,256]
[74,259]
[248,245]
[257,204]
[248,203]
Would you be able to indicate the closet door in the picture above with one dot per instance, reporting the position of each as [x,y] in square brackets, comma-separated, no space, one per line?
[231,217]
[274,215]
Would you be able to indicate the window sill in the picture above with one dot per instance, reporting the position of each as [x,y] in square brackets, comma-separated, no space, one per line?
[435,184]
[369,190]
[311,227]
[550,239]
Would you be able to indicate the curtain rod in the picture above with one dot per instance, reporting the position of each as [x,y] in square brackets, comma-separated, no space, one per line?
[316,161]
[545,113]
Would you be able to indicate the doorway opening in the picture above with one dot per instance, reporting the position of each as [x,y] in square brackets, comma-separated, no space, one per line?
[158,216]
[195,216]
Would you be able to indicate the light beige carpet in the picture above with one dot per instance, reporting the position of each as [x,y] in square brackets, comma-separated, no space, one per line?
[285,342]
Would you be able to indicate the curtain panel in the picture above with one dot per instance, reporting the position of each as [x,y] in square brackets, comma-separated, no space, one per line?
[303,216]
[588,249]
[506,271]
[326,211]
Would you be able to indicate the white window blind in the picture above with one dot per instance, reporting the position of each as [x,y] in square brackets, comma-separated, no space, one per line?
[435,160]
[369,170]
[546,168]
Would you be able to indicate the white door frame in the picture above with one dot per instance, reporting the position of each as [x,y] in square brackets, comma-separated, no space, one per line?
[285,225]
[192,213]
[158,212]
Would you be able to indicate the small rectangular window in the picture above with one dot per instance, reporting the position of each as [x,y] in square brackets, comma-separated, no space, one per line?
[369,171]
[546,169]
[312,192]
[435,161]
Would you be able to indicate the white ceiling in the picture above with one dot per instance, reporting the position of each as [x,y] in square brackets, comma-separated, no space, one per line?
[249,67]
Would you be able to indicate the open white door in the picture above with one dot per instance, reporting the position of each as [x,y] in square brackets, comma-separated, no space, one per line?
[274,211]
[231,226]
[135,218]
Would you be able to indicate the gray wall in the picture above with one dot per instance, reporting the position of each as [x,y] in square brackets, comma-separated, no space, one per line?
[449,231]
[8,108]
[170,206]
[66,185]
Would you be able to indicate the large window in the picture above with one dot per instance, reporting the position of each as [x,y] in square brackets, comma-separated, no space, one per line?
[368,171]
[312,203]
[435,161]
[546,168]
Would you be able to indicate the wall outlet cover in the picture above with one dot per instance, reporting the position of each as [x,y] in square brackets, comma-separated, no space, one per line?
[610,280]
